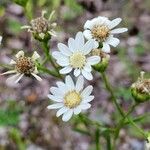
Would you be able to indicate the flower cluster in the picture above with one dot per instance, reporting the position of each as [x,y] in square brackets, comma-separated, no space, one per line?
[80,56]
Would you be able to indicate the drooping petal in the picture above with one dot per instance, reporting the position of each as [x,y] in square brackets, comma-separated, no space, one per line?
[119,30]
[9,72]
[19,78]
[77,72]
[19,54]
[87,75]
[0,40]
[61,111]
[93,60]
[114,23]
[55,106]
[66,70]
[13,78]
[77,110]
[87,91]
[64,49]
[37,77]
[106,47]
[79,83]
[67,115]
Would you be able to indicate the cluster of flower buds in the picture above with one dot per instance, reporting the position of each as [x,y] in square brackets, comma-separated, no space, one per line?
[42,28]
[141,89]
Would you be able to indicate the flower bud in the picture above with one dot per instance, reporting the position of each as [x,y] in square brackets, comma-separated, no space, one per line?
[141,89]
[102,65]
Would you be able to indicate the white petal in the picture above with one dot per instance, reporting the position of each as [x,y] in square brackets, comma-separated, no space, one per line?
[93,60]
[37,77]
[67,115]
[9,72]
[35,56]
[64,49]
[79,83]
[106,47]
[87,99]
[19,78]
[79,40]
[77,110]
[69,82]
[113,41]
[12,62]
[85,106]
[87,24]
[114,23]
[118,30]
[87,75]
[55,106]
[55,91]
[66,70]
[0,40]
[25,27]
[77,72]
[61,111]
[87,91]
[72,45]
[13,78]
[89,45]
[19,54]
[87,34]
[87,67]
[55,98]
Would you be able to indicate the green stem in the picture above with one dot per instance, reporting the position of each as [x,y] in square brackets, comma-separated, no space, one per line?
[108,139]
[97,135]
[109,88]
[121,123]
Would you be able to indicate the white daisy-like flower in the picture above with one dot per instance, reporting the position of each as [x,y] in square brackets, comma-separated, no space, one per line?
[70,98]
[0,39]
[76,57]
[23,66]
[101,29]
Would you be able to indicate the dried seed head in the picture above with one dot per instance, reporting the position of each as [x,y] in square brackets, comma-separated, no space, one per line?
[25,65]
[40,25]
[141,89]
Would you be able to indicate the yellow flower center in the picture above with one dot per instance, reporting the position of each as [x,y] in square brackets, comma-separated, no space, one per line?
[72,99]
[100,32]
[25,65]
[77,60]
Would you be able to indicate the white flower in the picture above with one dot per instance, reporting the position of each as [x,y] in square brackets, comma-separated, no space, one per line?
[0,39]
[147,143]
[76,57]
[23,66]
[70,98]
[101,29]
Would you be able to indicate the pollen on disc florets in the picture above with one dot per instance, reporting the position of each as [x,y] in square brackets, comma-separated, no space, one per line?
[72,99]
[25,65]
[100,32]
[77,60]
[40,25]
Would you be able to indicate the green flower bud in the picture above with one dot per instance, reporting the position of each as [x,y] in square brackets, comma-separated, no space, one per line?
[141,89]
[102,65]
